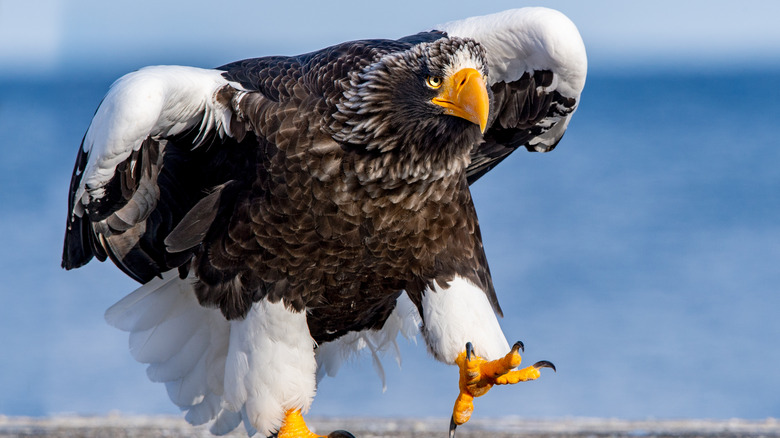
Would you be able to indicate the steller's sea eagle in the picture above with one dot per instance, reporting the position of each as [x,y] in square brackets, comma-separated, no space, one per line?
[283,212]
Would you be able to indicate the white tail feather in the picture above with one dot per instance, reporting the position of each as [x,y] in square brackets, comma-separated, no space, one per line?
[190,389]
[182,362]
[206,410]
[225,422]
[138,311]
[249,370]
[179,327]
[184,344]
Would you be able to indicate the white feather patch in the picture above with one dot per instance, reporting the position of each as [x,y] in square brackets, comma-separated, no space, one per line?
[154,101]
[270,366]
[528,39]
[457,314]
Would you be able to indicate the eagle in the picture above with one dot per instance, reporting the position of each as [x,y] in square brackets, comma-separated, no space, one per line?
[285,212]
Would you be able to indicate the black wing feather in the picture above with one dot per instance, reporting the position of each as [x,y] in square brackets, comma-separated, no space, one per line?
[183,177]
[519,107]
[78,249]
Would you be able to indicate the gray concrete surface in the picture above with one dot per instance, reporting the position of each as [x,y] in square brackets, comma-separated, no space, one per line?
[146,427]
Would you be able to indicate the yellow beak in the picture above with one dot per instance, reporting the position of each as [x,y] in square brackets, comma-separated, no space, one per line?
[464,95]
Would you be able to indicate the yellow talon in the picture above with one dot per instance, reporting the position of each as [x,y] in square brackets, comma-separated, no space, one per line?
[524,375]
[478,375]
[294,426]
[500,367]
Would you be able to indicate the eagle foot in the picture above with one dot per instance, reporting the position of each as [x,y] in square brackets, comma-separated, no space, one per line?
[294,426]
[478,375]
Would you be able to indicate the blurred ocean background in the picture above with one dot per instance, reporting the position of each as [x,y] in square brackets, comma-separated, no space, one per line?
[642,256]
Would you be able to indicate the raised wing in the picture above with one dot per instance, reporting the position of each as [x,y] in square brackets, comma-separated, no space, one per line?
[128,191]
[537,65]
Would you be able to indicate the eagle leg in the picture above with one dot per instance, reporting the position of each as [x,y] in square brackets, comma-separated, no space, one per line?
[478,375]
[294,426]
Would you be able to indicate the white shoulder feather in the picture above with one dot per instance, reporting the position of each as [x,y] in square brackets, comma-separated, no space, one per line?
[152,102]
[525,40]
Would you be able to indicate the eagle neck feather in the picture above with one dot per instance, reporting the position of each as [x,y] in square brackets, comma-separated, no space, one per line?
[383,115]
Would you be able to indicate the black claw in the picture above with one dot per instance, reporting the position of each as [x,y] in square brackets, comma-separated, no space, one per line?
[518,346]
[452,421]
[545,364]
[340,434]
[469,350]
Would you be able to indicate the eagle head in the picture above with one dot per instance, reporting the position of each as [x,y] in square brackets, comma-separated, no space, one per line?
[424,105]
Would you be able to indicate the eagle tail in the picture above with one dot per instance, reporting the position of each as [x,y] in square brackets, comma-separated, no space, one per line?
[185,345]
[211,367]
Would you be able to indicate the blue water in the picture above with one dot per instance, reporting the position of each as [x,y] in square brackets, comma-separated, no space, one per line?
[642,257]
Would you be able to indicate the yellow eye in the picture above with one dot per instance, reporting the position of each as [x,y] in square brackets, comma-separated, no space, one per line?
[433,81]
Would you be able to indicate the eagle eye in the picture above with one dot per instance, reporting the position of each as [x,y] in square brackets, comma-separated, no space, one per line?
[434,81]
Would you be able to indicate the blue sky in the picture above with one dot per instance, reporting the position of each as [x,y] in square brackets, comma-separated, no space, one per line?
[47,35]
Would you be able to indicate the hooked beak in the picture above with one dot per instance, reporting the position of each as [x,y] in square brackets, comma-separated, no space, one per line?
[465,95]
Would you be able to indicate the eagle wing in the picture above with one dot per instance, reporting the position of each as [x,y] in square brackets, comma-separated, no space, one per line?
[172,149]
[537,67]
[162,151]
